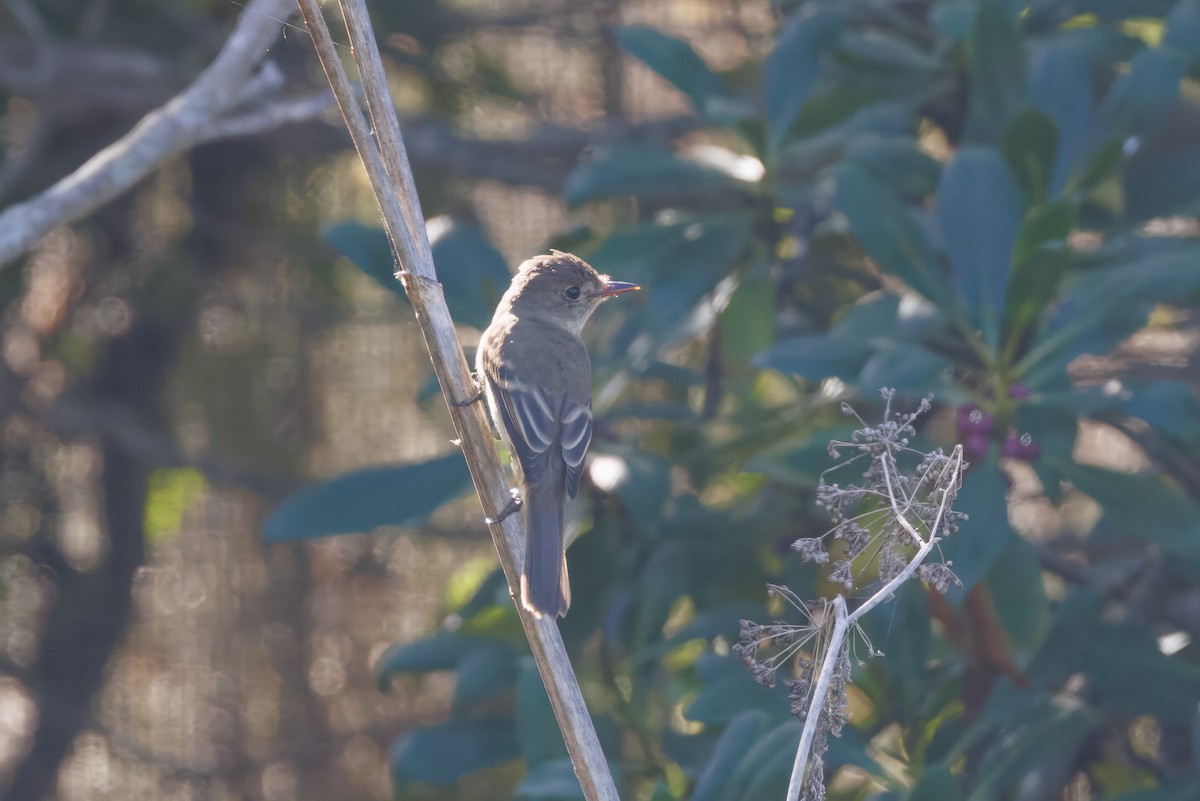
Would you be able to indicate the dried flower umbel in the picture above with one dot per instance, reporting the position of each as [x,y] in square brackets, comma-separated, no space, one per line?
[893,519]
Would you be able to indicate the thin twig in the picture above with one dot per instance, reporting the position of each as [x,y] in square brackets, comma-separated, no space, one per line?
[391,179]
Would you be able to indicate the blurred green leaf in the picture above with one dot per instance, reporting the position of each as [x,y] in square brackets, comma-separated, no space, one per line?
[1163,187]
[1029,145]
[537,728]
[677,264]
[1049,731]
[1139,99]
[986,533]
[898,161]
[1183,33]
[727,690]
[472,272]
[997,70]
[887,232]
[1171,407]
[1015,582]
[1182,789]
[817,357]
[1060,86]
[1106,306]
[368,248]
[676,61]
[766,768]
[550,780]
[643,171]
[954,18]
[980,208]
[746,328]
[799,460]
[714,784]
[794,64]
[935,782]
[363,500]
[1034,284]
[443,651]
[445,752]
[905,367]
[1142,505]
[484,673]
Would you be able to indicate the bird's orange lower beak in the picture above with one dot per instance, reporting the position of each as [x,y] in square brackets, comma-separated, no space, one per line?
[616,288]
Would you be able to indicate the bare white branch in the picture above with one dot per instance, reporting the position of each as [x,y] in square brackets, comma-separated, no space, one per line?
[391,179]
[220,94]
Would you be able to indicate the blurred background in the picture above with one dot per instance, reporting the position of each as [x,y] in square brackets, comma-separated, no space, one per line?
[239,557]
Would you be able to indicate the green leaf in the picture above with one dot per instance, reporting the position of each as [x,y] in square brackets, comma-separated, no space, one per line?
[986,533]
[819,356]
[445,752]
[1015,581]
[898,161]
[363,500]
[905,367]
[471,271]
[676,61]
[537,728]
[1183,789]
[980,208]
[1043,225]
[1060,86]
[745,328]
[1108,654]
[550,780]
[1163,187]
[1050,730]
[484,673]
[1142,505]
[1170,407]
[954,19]
[1034,284]
[1029,146]
[680,265]
[443,651]
[1183,33]
[727,690]
[997,71]
[714,784]
[643,171]
[767,766]
[799,460]
[1139,98]
[935,782]
[794,64]
[887,231]
[1110,304]
[369,250]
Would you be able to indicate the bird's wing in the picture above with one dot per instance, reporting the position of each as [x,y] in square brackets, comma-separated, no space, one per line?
[576,435]
[529,416]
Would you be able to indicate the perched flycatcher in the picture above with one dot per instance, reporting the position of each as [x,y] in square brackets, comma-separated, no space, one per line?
[537,377]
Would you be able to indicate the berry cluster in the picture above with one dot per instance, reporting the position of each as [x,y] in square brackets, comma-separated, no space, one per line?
[976,428]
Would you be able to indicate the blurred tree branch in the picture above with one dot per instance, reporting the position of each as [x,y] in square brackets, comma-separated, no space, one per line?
[237,94]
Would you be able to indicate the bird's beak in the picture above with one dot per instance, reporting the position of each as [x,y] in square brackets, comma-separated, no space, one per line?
[616,288]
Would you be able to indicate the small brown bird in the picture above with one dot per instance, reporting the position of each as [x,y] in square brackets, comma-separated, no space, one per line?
[537,376]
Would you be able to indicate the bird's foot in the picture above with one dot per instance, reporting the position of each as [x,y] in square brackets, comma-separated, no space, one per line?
[477,397]
[514,505]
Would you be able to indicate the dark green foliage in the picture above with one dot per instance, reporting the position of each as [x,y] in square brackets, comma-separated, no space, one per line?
[826,241]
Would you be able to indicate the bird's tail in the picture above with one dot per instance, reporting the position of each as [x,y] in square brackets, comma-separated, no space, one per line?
[544,586]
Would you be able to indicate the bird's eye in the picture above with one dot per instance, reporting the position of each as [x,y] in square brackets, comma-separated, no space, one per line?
[572,293]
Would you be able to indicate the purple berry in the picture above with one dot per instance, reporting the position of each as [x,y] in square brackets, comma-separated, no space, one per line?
[970,419]
[977,445]
[1018,391]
